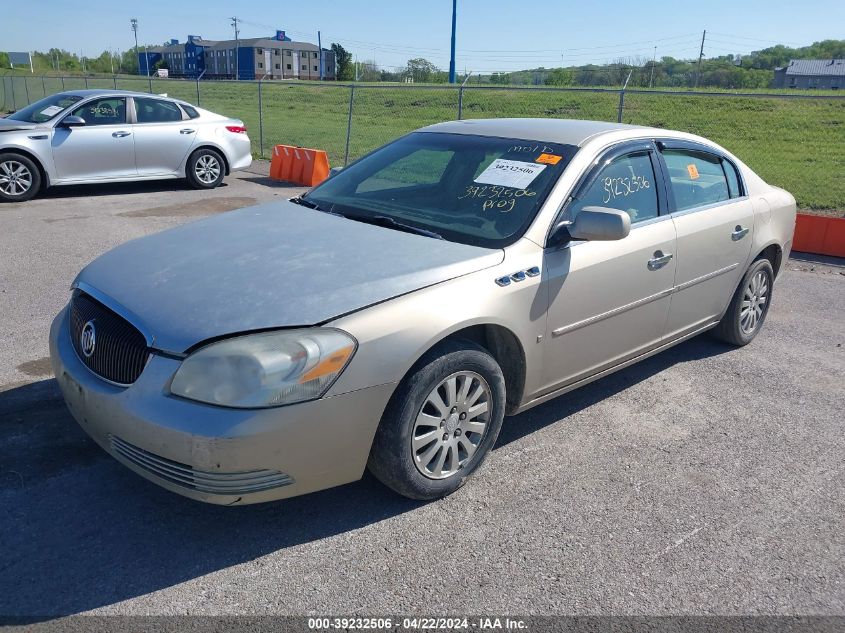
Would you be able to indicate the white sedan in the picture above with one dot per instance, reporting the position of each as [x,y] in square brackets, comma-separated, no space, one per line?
[92,136]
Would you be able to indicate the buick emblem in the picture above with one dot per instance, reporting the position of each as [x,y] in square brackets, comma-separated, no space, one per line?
[88,339]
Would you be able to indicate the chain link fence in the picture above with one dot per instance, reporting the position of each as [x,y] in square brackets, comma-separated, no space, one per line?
[795,141]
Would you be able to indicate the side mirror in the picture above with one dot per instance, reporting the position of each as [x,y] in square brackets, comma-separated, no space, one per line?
[334,171]
[594,224]
[72,121]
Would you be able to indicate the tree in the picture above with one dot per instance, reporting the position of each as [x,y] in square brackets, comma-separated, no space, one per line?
[420,70]
[560,77]
[343,63]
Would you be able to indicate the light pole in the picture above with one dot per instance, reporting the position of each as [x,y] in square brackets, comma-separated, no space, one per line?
[134,23]
[454,24]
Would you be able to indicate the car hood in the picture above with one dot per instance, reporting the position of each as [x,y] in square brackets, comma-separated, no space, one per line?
[273,265]
[9,125]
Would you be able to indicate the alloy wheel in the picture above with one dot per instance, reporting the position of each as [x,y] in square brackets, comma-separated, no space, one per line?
[451,424]
[207,169]
[754,301]
[15,178]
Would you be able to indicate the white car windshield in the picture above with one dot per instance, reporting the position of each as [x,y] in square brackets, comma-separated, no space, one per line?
[45,109]
[476,190]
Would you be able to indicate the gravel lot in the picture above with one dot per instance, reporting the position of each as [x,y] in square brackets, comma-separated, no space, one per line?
[705,480]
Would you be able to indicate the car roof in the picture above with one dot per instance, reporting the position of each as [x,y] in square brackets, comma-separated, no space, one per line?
[565,131]
[103,92]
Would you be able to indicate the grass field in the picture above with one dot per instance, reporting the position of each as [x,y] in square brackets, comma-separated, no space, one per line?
[794,143]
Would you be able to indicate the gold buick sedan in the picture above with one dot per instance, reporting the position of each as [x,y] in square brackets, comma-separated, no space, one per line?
[392,317]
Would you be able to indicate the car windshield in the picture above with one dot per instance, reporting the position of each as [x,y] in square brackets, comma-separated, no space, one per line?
[477,190]
[45,109]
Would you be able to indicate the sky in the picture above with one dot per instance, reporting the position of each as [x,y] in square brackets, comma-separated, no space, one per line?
[492,35]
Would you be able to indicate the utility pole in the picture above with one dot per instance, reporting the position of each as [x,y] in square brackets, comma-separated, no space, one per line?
[134,23]
[700,56]
[454,25]
[653,61]
[320,46]
[237,45]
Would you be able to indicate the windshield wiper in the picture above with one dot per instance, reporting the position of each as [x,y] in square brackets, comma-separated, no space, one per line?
[311,205]
[390,223]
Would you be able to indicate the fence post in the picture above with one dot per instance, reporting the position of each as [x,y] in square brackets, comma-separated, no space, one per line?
[12,84]
[622,98]
[63,83]
[260,122]
[460,102]
[114,80]
[198,90]
[150,81]
[26,87]
[43,86]
[349,124]
[86,83]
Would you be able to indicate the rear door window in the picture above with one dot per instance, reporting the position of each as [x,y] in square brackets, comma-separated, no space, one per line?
[156,111]
[696,178]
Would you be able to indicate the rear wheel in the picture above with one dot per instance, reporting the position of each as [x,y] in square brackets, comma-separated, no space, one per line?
[20,178]
[205,169]
[441,423]
[749,306]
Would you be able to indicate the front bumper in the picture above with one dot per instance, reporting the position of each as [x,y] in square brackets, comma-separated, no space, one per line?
[214,454]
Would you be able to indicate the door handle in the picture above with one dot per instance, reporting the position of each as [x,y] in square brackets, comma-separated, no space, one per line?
[120,134]
[659,260]
[739,233]
[186,131]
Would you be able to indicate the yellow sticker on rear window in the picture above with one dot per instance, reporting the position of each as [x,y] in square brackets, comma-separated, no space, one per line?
[693,171]
[549,159]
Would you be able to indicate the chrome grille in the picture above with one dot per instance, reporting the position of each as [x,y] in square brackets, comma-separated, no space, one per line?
[120,350]
[221,483]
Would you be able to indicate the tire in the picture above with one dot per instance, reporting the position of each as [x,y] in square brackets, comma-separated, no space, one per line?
[205,169]
[749,306]
[417,470]
[20,177]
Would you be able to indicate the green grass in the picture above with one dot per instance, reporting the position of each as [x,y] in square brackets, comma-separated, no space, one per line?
[797,144]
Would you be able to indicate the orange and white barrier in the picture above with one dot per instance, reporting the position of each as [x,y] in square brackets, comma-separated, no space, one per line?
[299,165]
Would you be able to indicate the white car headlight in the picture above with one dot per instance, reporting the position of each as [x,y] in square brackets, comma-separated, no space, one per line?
[265,370]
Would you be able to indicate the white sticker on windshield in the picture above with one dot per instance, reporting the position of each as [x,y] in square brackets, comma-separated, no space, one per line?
[510,173]
[51,111]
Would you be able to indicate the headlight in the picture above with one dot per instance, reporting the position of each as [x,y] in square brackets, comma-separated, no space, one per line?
[265,370]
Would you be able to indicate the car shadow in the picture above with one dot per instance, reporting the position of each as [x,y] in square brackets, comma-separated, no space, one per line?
[116,189]
[81,531]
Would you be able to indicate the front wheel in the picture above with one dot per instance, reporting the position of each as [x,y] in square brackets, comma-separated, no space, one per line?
[749,305]
[441,423]
[205,169]
[20,178]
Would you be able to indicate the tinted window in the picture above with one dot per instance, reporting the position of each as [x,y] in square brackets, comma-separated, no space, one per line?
[422,167]
[627,184]
[45,109]
[697,178]
[190,111]
[105,111]
[471,189]
[733,179]
[156,111]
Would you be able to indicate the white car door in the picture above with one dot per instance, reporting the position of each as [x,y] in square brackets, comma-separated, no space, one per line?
[103,148]
[162,138]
